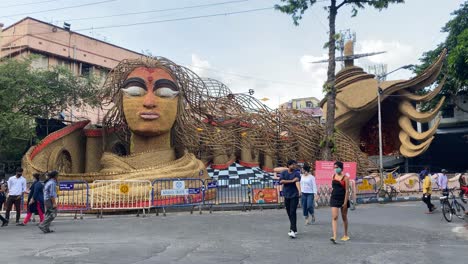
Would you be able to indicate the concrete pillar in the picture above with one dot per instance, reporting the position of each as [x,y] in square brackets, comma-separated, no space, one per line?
[94,150]
[247,158]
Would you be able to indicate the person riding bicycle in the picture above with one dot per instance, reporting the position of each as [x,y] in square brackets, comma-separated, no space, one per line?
[463,180]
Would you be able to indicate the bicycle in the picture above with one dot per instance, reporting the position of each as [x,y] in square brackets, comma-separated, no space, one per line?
[451,208]
[388,192]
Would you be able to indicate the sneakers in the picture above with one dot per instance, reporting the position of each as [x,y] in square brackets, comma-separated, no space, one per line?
[45,230]
[345,238]
[5,223]
[310,220]
[20,224]
[292,234]
[333,240]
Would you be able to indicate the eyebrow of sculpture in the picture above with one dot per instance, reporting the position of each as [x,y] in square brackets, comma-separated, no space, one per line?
[135,81]
[165,83]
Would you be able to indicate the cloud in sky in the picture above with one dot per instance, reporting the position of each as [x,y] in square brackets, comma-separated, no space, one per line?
[199,66]
[316,71]
[277,91]
[397,54]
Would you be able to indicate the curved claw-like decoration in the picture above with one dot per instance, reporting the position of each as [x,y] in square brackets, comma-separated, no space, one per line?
[405,124]
[406,142]
[412,153]
[422,98]
[407,109]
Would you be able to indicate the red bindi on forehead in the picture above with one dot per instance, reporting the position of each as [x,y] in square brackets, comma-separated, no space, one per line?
[150,74]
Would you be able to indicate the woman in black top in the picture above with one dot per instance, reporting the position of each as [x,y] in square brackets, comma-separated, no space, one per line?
[339,200]
[2,201]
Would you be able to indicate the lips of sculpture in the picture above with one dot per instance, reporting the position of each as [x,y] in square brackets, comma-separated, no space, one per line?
[150,115]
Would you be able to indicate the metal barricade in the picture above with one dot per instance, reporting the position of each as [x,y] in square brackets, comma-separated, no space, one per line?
[73,196]
[121,195]
[352,195]
[323,195]
[186,192]
[226,195]
[366,187]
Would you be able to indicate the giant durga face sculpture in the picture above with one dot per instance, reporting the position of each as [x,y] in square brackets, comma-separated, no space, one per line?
[150,101]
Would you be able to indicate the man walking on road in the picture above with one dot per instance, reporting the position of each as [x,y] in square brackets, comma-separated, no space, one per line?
[16,189]
[50,196]
[288,179]
[442,181]
[427,191]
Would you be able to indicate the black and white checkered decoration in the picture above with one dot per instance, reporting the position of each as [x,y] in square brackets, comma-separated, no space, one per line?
[236,175]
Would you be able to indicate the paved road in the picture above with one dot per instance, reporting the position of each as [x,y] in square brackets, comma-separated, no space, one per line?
[392,233]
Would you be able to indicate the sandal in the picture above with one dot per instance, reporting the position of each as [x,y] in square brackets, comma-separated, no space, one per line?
[345,238]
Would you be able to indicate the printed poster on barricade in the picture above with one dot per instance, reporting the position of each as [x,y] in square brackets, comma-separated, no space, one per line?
[324,171]
[264,196]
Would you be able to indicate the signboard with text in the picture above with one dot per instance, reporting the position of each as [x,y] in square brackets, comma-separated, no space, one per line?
[264,196]
[324,171]
[66,186]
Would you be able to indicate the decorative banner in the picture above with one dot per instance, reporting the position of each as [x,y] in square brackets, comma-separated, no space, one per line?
[324,171]
[263,196]
[124,188]
[390,179]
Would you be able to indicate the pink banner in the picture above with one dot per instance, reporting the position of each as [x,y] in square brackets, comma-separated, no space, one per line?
[324,171]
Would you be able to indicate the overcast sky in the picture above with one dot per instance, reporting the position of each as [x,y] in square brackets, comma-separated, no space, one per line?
[260,50]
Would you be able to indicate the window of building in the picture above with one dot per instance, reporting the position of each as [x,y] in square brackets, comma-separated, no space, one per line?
[309,104]
[448,112]
[64,63]
[298,105]
[85,69]
[40,61]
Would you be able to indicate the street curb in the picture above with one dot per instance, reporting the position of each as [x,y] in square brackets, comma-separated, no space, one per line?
[386,200]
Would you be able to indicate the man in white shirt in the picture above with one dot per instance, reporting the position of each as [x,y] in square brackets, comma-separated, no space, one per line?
[16,189]
[442,181]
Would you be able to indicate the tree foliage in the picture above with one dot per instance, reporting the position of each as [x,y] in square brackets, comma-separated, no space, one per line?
[27,93]
[456,67]
[297,8]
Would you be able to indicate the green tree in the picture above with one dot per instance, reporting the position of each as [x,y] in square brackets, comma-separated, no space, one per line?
[455,70]
[297,8]
[26,93]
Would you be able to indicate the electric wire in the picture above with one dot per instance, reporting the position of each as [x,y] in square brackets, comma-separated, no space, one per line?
[30,3]
[58,8]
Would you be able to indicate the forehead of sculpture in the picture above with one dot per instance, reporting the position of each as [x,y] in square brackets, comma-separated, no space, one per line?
[150,74]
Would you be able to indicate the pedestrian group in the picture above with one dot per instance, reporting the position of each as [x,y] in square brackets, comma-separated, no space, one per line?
[41,199]
[303,186]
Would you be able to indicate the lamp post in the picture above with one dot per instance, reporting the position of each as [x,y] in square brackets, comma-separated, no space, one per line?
[379,93]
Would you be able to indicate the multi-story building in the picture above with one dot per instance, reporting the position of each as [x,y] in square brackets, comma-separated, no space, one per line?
[53,45]
[310,105]
[449,150]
